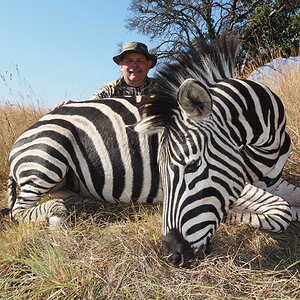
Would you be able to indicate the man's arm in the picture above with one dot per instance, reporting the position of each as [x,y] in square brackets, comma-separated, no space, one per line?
[101,94]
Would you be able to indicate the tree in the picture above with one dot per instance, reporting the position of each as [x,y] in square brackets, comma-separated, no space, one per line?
[273,27]
[264,25]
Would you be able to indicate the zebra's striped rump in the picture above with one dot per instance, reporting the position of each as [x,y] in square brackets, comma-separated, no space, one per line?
[83,149]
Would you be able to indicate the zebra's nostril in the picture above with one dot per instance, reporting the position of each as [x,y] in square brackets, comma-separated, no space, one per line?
[179,252]
[175,259]
[176,248]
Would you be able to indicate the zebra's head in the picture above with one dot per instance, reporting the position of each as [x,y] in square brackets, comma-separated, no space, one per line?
[193,205]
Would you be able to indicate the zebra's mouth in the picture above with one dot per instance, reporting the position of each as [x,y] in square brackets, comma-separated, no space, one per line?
[179,252]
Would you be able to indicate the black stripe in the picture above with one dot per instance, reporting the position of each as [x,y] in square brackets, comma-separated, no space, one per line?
[82,141]
[39,160]
[134,150]
[154,169]
[202,194]
[42,147]
[38,174]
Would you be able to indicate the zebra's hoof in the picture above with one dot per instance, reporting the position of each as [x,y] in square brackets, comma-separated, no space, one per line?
[56,222]
[58,215]
[178,251]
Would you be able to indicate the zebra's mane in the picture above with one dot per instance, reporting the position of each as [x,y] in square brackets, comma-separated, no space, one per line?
[208,62]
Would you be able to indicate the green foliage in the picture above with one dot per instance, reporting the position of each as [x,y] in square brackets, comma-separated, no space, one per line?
[273,26]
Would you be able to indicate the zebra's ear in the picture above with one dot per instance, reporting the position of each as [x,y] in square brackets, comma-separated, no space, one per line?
[195,99]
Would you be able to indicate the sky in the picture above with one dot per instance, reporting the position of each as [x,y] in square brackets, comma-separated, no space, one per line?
[56,50]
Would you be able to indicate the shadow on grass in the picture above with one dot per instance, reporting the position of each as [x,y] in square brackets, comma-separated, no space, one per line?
[104,213]
[259,250]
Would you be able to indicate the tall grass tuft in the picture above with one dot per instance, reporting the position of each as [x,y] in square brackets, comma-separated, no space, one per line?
[15,119]
[19,108]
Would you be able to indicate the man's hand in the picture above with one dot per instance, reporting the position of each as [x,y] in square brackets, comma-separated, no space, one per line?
[63,103]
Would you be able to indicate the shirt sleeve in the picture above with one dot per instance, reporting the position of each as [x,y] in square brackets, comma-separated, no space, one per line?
[100,94]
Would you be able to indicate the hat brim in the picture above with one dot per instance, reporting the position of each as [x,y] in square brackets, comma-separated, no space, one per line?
[117,58]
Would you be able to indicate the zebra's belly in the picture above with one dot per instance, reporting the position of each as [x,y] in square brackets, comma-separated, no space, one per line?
[126,184]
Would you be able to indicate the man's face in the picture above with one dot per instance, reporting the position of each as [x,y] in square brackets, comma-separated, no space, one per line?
[135,67]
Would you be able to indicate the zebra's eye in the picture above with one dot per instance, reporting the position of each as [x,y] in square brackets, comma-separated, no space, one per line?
[192,167]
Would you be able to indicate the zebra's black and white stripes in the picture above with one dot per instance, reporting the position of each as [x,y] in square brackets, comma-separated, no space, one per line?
[204,174]
[210,159]
[214,142]
[88,142]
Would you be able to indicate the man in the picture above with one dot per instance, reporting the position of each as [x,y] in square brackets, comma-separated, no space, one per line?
[135,62]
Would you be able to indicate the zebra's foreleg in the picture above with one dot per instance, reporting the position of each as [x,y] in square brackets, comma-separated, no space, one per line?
[286,191]
[260,209]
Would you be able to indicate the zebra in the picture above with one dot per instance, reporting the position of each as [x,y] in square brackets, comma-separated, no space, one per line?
[222,150]
[168,147]
[79,152]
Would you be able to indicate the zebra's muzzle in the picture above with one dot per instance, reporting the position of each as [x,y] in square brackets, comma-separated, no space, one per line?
[179,252]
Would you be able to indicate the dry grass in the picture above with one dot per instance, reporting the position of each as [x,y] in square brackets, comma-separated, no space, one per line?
[115,254]
[109,252]
[15,119]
